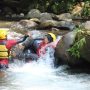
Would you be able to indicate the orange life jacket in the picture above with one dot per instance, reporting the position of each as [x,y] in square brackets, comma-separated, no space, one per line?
[4,52]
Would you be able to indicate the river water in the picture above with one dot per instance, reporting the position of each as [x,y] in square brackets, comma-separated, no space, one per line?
[42,75]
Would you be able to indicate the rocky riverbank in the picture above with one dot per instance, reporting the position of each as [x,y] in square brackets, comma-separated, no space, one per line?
[73,48]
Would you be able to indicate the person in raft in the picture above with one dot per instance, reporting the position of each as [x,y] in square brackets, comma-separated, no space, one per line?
[34,49]
[5,47]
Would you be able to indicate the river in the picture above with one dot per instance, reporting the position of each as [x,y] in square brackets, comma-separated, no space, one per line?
[42,75]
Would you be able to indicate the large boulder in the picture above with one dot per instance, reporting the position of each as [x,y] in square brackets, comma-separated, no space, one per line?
[87,25]
[48,23]
[63,25]
[34,13]
[66,25]
[23,25]
[64,16]
[45,16]
[73,49]
[85,50]
[63,45]
[28,23]
[35,20]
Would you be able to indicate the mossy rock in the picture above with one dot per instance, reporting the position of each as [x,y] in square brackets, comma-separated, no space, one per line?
[48,23]
[74,48]
[85,50]
[34,13]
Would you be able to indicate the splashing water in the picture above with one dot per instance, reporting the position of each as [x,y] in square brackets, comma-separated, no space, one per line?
[36,72]
[34,75]
[45,61]
[41,75]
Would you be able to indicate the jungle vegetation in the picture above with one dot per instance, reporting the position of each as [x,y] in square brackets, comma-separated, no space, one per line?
[51,6]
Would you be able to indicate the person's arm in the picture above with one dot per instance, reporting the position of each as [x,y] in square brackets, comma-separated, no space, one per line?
[27,42]
[11,43]
[22,39]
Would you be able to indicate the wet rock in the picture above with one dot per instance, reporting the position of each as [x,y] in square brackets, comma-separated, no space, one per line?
[54,16]
[61,54]
[87,25]
[65,16]
[34,13]
[66,24]
[82,49]
[45,16]
[21,15]
[23,25]
[85,50]
[36,20]
[48,23]
[63,25]
[15,26]
[28,23]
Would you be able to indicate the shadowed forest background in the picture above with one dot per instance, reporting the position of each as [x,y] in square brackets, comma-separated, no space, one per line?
[13,8]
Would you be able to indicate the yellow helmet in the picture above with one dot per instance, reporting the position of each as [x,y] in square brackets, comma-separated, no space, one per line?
[3,34]
[53,36]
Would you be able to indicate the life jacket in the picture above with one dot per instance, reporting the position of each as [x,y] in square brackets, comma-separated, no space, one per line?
[4,52]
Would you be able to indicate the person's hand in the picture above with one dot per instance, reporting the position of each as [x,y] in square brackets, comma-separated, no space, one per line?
[25,36]
[29,34]
[21,46]
[13,54]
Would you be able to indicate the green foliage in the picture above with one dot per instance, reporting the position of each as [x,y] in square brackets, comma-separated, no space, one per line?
[55,6]
[75,49]
[79,42]
[52,6]
[86,10]
[59,7]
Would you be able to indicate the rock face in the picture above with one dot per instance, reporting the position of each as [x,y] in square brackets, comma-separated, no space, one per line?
[65,25]
[23,25]
[85,50]
[28,23]
[82,48]
[34,13]
[63,45]
[65,16]
[87,25]
[45,16]
[48,23]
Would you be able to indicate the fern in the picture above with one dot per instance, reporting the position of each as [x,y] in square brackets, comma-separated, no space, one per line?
[75,49]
